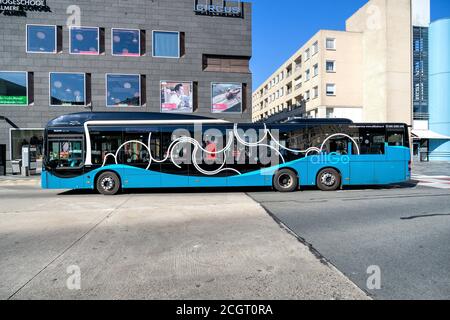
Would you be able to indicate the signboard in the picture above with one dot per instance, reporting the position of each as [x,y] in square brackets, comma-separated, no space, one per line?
[13,88]
[226,98]
[177,97]
[21,7]
[9,100]
[219,7]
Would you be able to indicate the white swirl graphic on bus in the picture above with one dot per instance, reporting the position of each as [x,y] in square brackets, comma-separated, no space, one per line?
[232,134]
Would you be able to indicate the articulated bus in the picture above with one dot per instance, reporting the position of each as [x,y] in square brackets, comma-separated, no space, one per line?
[112,151]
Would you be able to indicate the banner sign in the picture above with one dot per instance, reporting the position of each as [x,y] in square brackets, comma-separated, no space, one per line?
[219,8]
[21,7]
[226,98]
[177,97]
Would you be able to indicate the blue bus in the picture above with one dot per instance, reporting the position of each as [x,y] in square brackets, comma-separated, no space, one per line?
[112,151]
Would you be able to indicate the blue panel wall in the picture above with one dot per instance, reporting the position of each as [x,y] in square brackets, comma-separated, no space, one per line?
[440,88]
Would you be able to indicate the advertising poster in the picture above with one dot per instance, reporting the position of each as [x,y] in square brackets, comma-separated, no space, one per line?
[177,97]
[226,98]
[13,88]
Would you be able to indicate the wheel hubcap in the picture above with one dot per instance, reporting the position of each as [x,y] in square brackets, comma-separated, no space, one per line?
[107,183]
[328,179]
[285,181]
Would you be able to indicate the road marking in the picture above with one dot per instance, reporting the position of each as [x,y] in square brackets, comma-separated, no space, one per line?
[439,182]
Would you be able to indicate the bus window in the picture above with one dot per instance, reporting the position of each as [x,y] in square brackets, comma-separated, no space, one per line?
[104,143]
[65,153]
[372,142]
[337,145]
[395,138]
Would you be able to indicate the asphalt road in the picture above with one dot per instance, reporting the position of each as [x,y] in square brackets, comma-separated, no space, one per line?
[153,245]
[404,231]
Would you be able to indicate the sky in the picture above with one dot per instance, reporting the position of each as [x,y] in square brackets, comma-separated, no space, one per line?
[281,27]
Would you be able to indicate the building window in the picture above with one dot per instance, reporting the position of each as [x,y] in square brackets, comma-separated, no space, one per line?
[331,44]
[307,75]
[123,90]
[316,70]
[166,44]
[330,113]
[331,66]
[307,54]
[85,40]
[331,89]
[21,137]
[315,48]
[307,95]
[315,92]
[67,89]
[13,88]
[418,45]
[126,42]
[41,39]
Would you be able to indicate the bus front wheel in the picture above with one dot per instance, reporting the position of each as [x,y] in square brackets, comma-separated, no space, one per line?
[108,183]
[328,180]
[285,181]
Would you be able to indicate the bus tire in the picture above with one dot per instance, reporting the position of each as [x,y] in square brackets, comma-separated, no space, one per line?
[328,179]
[108,183]
[285,180]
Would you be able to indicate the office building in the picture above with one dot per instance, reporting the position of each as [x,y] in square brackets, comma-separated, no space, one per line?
[59,57]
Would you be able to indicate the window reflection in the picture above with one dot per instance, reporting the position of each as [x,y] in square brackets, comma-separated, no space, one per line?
[13,88]
[126,42]
[84,40]
[123,90]
[67,89]
[41,39]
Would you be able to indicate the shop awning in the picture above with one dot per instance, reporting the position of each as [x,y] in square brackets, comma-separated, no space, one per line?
[428,134]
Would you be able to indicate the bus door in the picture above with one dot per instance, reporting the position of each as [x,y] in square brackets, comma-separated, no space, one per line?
[176,156]
[365,165]
[65,159]
[137,154]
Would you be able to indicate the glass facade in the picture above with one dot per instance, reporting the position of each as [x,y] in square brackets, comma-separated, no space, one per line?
[67,89]
[41,39]
[166,44]
[420,73]
[13,88]
[123,90]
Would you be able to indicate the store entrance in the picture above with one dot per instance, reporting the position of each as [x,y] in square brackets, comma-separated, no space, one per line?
[2,159]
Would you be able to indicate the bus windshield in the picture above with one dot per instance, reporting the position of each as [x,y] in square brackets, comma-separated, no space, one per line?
[65,153]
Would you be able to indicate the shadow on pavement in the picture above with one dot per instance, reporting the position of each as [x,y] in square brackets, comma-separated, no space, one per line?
[408,185]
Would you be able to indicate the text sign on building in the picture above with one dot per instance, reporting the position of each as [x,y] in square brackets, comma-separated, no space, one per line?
[21,7]
[219,7]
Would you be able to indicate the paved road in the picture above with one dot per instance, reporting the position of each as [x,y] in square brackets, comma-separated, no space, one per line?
[405,231]
[173,245]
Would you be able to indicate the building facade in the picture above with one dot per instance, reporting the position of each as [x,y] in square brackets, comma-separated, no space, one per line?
[363,73]
[439,149]
[60,57]
[320,80]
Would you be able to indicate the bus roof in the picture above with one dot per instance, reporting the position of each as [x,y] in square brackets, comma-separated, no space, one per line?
[78,119]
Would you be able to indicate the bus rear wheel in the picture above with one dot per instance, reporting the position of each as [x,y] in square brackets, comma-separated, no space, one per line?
[328,180]
[285,181]
[108,183]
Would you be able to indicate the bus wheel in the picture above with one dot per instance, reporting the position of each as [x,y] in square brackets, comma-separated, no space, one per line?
[285,181]
[328,180]
[108,183]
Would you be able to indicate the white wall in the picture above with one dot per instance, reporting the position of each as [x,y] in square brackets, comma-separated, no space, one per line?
[421,13]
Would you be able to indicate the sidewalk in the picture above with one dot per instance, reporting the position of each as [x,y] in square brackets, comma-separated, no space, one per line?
[18,179]
[431,168]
